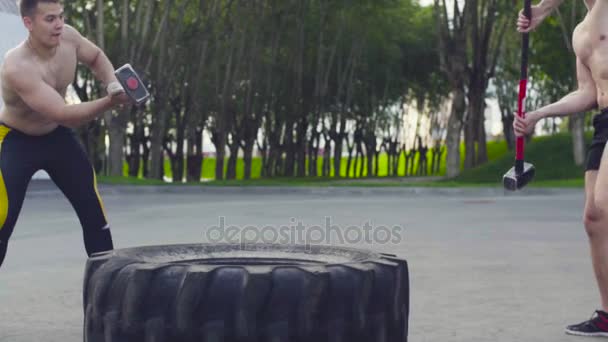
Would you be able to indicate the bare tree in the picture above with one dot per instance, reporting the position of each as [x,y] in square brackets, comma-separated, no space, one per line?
[453,61]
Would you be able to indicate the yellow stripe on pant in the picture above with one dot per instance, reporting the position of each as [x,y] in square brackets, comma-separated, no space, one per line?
[103,208]
[3,194]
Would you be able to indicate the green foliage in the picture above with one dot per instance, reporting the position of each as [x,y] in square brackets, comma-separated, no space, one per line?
[551,156]
[552,60]
[496,150]
[265,68]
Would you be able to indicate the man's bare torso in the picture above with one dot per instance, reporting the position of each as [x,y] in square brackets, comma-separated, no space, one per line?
[590,41]
[58,72]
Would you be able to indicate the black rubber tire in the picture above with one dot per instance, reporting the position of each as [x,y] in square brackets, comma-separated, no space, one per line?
[252,293]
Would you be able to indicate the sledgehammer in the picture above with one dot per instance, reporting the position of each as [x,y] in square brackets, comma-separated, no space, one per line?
[522,173]
[132,84]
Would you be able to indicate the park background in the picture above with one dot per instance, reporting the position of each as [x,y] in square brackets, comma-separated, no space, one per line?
[291,91]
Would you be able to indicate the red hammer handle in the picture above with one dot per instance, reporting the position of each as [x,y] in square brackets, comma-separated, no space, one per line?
[523,79]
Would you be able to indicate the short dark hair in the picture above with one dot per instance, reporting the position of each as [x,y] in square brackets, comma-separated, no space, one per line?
[28,7]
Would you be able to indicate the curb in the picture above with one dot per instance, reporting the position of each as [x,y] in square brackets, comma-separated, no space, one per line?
[41,188]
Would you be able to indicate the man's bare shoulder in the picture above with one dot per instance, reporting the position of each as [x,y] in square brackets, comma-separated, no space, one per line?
[16,56]
[581,41]
[17,62]
[71,35]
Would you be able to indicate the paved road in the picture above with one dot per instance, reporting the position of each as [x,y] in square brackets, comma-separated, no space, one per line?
[484,266]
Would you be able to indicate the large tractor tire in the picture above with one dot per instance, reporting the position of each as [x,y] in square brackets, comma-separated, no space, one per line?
[250,293]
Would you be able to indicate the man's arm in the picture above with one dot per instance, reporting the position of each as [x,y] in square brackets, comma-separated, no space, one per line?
[549,5]
[92,56]
[45,100]
[581,100]
[539,13]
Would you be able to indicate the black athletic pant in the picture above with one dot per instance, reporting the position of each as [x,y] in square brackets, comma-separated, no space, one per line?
[598,143]
[62,157]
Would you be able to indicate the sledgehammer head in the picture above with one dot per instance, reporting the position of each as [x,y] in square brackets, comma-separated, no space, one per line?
[518,176]
[132,84]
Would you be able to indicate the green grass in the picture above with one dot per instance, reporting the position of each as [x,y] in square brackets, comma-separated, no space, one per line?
[496,149]
[551,155]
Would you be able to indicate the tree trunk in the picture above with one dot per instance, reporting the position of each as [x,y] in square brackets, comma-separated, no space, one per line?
[116,132]
[507,128]
[453,134]
[158,130]
[135,154]
[396,158]
[360,161]
[337,155]
[164,75]
[232,159]
[145,160]
[263,148]
[482,145]
[195,155]
[370,151]
[290,158]
[116,125]
[376,172]
[301,147]
[274,149]
[469,140]
[453,60]
[178,173]
[339,143]
[351,148]
[247,159]
[577,128]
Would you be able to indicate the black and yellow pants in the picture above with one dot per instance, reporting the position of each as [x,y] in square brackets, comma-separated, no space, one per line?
[60,154]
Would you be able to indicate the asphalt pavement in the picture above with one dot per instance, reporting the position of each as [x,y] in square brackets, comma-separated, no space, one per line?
[484,265]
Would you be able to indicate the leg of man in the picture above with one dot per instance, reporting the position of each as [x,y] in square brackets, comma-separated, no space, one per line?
[71,170]
[598,230]
[15,174]
[596,225]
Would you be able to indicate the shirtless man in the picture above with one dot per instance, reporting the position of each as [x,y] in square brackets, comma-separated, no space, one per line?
[35,121]
[590,41]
